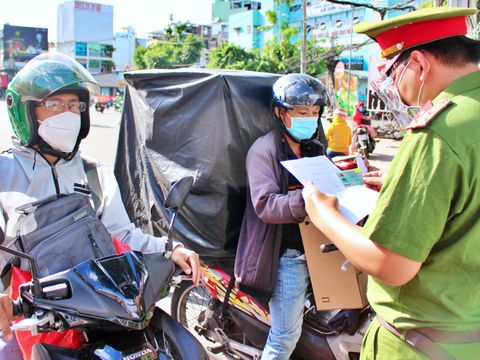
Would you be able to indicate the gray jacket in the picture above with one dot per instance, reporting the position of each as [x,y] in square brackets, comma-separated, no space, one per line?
[269,205]
[26,177]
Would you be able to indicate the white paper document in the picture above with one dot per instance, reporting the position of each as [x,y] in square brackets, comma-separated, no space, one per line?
[355,201]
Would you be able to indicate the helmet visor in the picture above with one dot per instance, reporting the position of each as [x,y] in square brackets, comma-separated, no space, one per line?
[50,72]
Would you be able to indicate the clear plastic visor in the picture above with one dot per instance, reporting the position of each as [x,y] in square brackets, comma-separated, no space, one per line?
[50,72]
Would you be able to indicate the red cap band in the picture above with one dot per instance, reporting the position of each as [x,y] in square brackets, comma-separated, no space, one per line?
[417,33]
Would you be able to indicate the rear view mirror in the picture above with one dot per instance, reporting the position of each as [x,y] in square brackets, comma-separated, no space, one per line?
[175,199]
[178,193]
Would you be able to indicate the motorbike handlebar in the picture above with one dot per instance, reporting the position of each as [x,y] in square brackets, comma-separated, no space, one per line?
[17,307]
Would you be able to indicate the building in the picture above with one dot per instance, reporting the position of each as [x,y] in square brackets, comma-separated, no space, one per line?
[223,9]
[244,29]
[85,32]
[124,45]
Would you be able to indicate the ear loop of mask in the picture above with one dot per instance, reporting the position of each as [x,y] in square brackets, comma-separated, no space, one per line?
[423,83]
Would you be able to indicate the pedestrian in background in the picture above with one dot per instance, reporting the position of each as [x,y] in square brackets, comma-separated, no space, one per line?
[338,134]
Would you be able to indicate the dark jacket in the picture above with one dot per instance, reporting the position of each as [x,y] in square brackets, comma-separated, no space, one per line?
[269,205]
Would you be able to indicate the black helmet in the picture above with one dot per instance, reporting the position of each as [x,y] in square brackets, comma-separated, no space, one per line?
[300,89]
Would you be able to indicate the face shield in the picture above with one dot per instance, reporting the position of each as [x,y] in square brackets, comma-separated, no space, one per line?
[387,90]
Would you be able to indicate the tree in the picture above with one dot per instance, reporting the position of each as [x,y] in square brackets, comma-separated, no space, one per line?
[180,49]
[139,57]
[231,57]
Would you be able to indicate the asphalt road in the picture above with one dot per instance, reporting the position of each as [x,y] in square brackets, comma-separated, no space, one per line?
[101,143]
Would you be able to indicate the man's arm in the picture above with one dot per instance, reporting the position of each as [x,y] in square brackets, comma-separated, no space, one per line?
[270,205]
[6,315]
[363,253]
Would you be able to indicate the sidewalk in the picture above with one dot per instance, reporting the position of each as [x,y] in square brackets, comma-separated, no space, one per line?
[384,152]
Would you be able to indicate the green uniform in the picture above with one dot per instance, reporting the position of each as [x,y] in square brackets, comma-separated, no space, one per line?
[429,211]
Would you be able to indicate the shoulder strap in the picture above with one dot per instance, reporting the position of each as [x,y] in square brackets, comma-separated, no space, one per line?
[428,113]
[91,171]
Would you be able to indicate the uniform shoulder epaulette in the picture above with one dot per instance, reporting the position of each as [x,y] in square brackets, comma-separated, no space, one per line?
[428,113]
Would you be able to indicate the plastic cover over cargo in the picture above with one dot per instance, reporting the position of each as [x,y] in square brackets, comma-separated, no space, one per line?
[191,122]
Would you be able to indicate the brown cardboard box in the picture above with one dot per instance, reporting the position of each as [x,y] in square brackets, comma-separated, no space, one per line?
[332,287]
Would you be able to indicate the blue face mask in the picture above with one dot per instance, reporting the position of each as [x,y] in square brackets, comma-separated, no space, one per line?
[303,127]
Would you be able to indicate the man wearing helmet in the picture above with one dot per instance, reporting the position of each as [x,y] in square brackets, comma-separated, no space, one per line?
[48,103]
[270,262]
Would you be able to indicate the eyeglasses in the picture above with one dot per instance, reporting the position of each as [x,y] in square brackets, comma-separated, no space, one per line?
[59,105]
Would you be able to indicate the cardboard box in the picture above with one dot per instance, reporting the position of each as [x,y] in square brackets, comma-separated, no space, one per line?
[332,287]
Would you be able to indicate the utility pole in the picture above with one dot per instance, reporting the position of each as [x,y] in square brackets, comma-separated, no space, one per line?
[303,60]
[350,60]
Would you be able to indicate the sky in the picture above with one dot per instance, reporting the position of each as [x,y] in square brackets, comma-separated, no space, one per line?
[143,15]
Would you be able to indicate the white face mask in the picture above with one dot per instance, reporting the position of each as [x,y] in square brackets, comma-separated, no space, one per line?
[61,131]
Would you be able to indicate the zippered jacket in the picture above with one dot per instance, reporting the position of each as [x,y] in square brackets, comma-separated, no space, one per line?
[26,176]
[269,205]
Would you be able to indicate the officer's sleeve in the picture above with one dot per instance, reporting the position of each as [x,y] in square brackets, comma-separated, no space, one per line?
[116,220]
[417,197]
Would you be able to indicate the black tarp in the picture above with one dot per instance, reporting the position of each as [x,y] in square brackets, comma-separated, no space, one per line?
[194,122]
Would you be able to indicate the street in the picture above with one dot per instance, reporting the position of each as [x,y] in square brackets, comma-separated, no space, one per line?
[101,144]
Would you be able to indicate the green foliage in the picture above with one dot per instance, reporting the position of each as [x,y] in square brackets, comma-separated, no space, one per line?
[271,16]
[233,57]
[180,50]
[139,57]
[229,57]
[279,55]
[316,58]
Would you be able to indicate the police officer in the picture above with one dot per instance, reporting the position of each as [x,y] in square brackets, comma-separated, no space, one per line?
[420,244]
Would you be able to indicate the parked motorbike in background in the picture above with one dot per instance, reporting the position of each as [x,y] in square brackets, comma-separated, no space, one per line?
[112,300]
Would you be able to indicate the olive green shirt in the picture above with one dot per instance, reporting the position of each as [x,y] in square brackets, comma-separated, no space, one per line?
[429,211]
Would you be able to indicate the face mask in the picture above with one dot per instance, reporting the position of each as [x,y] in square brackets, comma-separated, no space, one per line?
[61,131]
[387,90]
[303,128]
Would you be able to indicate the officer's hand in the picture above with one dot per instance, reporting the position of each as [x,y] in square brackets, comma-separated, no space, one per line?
[189,262]
[6,315]
[317,202]
[374,179]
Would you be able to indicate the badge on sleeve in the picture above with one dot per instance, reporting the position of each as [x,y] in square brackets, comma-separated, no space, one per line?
[428,113]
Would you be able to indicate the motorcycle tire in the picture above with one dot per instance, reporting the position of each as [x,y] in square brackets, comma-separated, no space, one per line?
[189,303]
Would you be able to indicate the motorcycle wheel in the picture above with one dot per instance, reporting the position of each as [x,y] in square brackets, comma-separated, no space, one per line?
[189,304]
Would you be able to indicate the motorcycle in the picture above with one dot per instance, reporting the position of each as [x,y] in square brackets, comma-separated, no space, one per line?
[100,106]
[112,300]
[238,324]
[363,141]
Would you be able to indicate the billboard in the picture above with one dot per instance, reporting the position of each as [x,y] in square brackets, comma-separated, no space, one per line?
[20,44]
